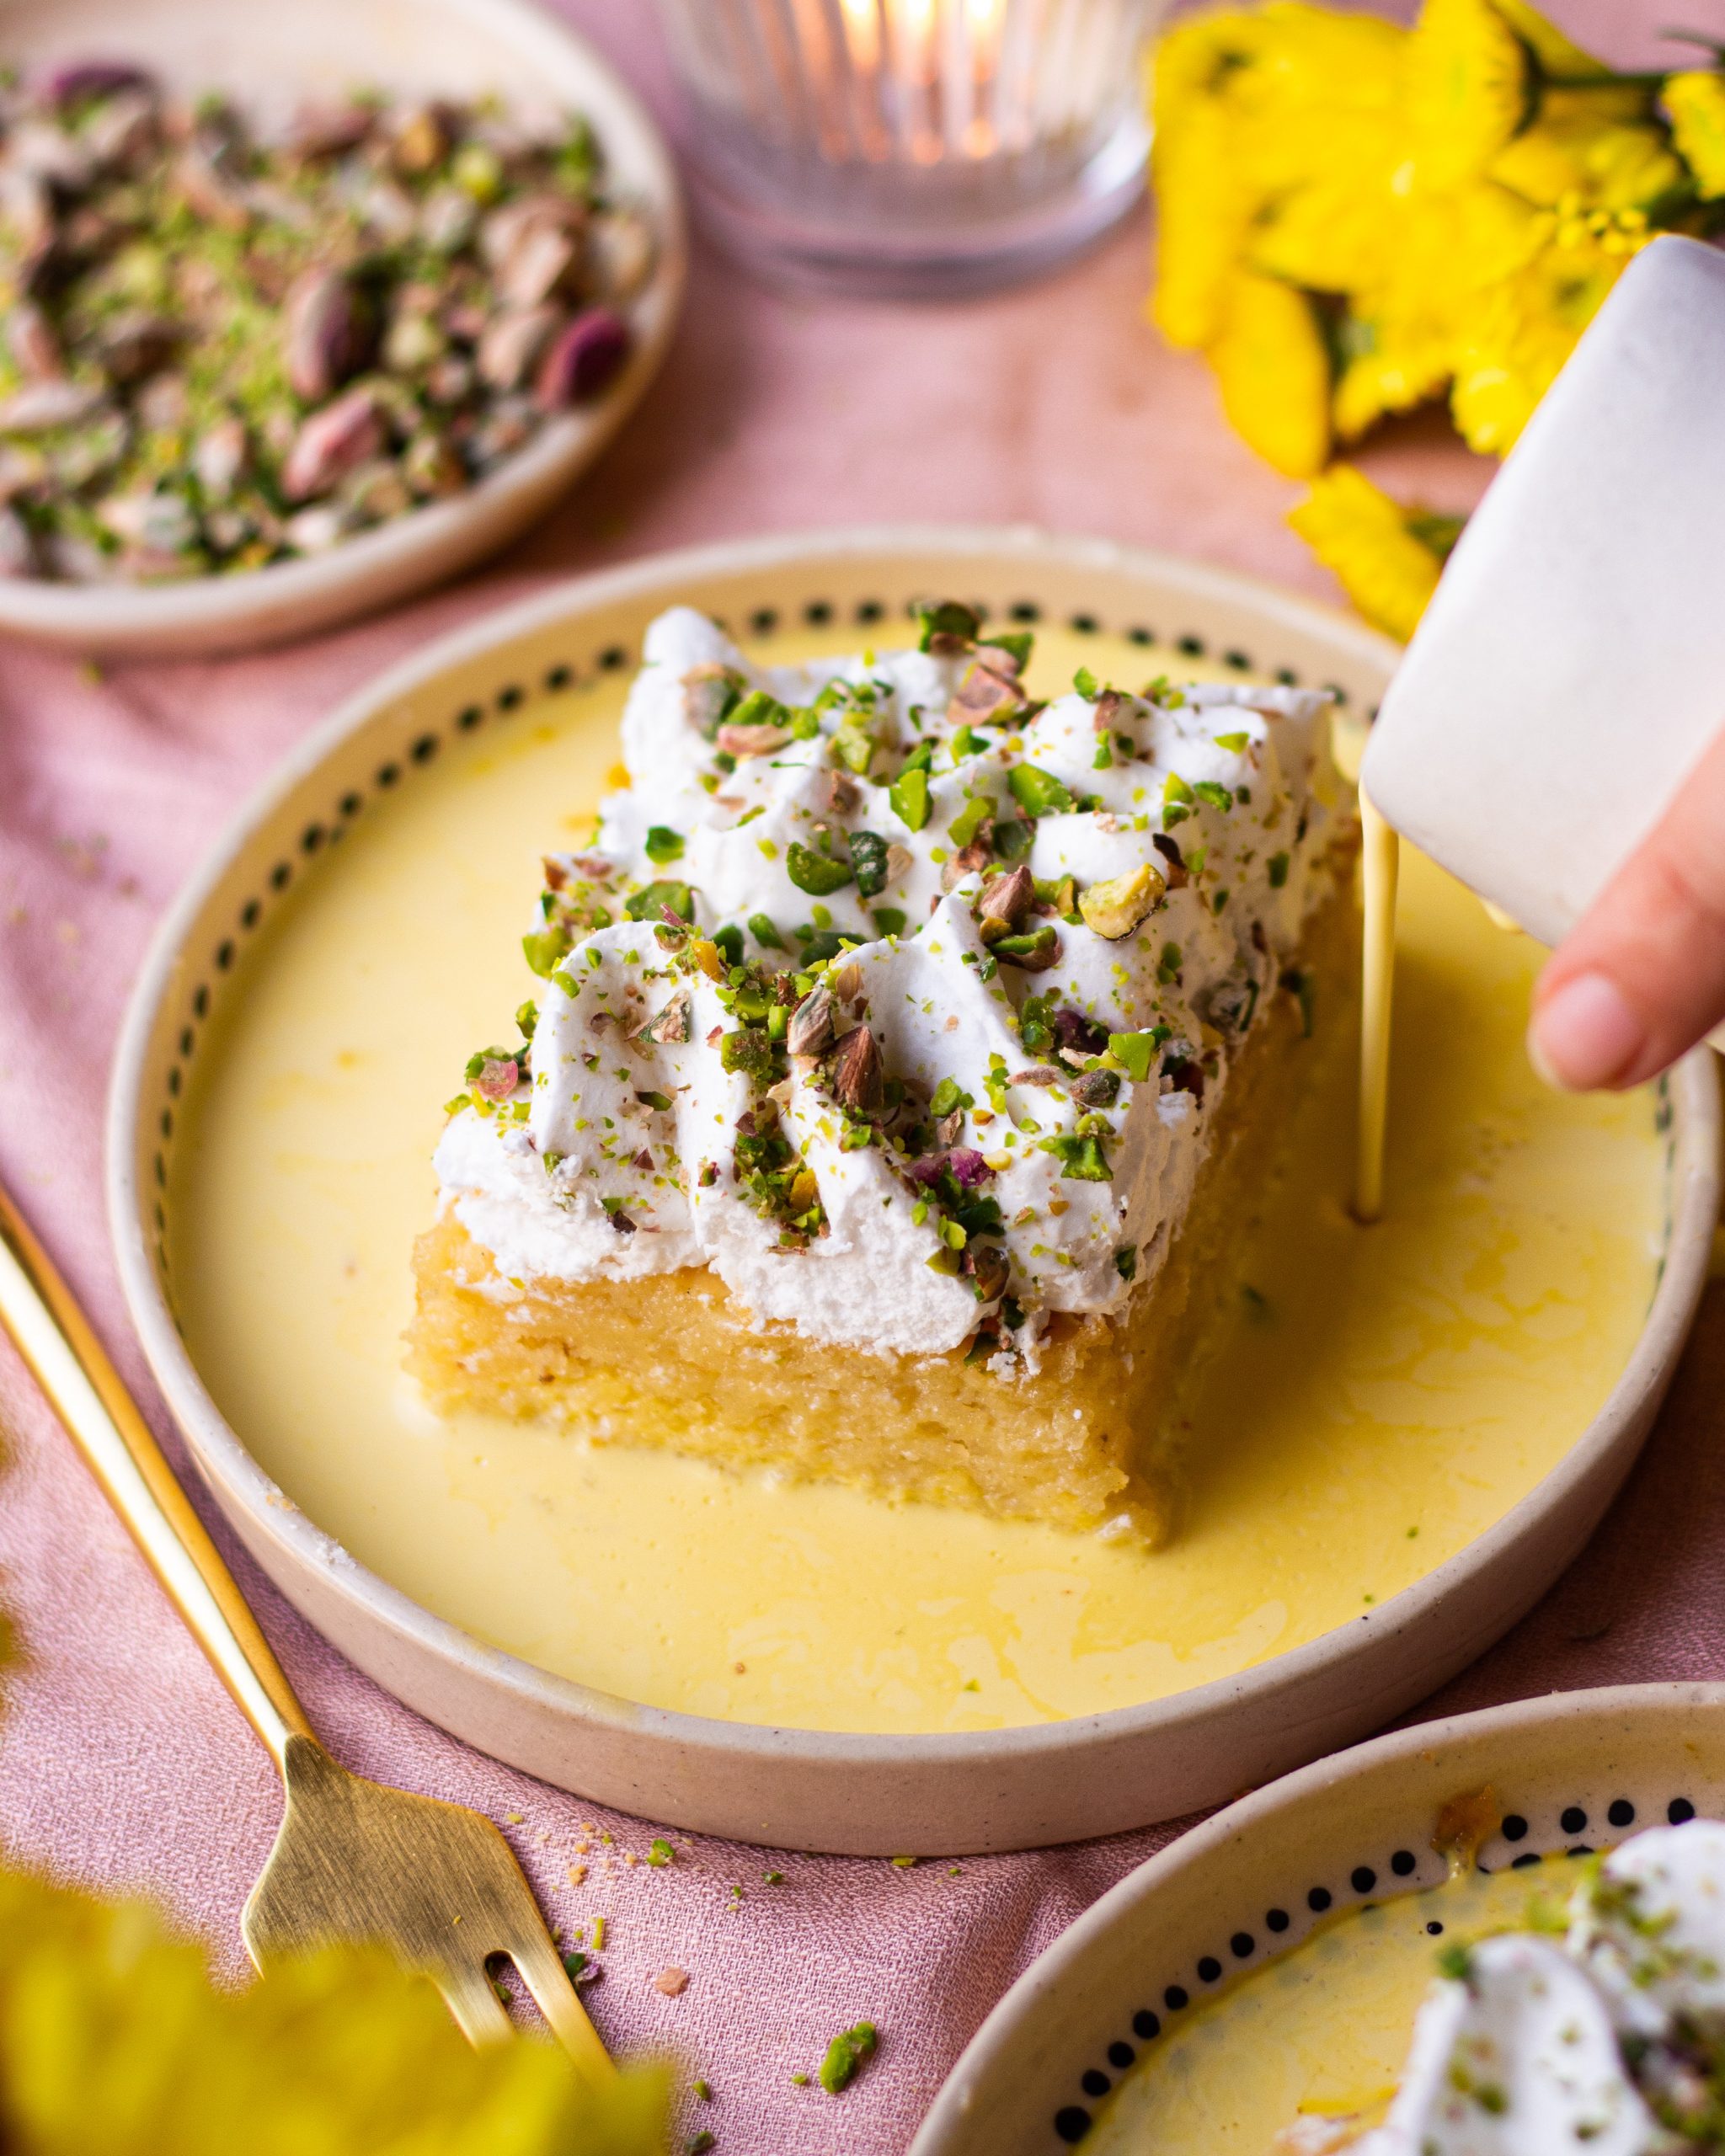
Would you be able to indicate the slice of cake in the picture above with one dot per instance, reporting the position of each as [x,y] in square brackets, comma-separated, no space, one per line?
[905,1049]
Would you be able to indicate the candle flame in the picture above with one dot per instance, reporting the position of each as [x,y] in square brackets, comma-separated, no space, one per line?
[861,23]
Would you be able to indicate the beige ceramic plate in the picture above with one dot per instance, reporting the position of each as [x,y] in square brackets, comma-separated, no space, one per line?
[1596,1765]
[883,1794]
[271,58]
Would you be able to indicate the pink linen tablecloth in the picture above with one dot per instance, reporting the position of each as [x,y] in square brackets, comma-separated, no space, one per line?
[122,1763]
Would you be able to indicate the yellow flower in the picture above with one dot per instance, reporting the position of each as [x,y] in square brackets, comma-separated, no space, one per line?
[1273,369]
[1357,218]
[1604,163]
[112,2037]
[1526,326]
[1387,558]
[1470,89]
[1696,101]
[1255,112]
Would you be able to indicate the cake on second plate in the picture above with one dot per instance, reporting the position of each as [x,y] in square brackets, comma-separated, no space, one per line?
[907,1051]
[1606,2033]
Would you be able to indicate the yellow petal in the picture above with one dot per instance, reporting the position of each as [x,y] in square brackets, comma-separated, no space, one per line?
[1204,211]
[1370,544]
[1392,362]
[114,2038]
[1604,165]
[1696,101]
[1527,326]
[1197,58]
[1273,370]
[1470,87]
[1337,234]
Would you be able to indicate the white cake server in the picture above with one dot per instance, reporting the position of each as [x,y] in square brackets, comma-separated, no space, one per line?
[1570,670]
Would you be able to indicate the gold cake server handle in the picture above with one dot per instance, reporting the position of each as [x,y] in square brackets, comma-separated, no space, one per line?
[354,1860]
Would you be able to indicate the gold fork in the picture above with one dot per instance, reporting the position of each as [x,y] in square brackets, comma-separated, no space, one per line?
[354,1861]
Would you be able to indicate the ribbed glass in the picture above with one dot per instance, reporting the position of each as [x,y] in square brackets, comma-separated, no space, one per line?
[949,137]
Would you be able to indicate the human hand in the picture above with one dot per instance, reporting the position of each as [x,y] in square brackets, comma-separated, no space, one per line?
[1640,977]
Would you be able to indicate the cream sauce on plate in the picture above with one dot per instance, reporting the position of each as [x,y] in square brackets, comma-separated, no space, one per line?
[1380,1397]
[1323,2030]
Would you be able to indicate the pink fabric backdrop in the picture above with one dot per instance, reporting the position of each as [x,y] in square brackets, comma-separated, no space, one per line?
[122,1762]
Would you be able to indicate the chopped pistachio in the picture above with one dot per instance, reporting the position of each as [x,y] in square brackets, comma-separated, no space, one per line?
[1082,1159]
[908,795]
[817,873]
[869,861]
[1017,644]
[245,324]
[760,927]
[1136,1052]
[656,899]
[949,619]
[970,819]
[847,2055]
[546,947]
[1038,792]
[1114,908]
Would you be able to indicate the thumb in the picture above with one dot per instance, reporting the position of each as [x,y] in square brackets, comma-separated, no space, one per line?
[1640,977]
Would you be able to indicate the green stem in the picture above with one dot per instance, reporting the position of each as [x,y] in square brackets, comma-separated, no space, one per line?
[1653,79]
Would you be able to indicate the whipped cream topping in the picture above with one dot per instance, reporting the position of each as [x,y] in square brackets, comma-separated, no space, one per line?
[1651,1934]
[901,1000]
[1612,2040]
[1519,2058]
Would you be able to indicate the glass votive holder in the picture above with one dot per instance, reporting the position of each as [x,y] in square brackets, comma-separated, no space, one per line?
[911,147]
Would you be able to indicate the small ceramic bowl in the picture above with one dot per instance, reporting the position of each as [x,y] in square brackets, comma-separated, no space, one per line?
[869,1794]
[272,59]
[1574,1768]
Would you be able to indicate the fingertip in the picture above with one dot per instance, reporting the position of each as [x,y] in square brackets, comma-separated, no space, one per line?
[1585,1033]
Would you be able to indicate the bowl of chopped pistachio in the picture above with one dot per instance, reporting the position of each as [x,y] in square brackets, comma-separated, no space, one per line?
[306,312]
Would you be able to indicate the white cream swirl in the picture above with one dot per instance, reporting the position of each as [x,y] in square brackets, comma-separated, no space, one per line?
[1611,2039]
[1072,1161]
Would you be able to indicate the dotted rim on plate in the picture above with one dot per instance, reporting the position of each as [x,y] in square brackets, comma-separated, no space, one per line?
[1402,1872]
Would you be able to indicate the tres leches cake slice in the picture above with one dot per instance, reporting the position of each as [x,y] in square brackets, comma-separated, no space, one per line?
[906,1050]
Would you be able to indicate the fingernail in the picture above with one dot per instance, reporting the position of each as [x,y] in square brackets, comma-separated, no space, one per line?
[1585,1034]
